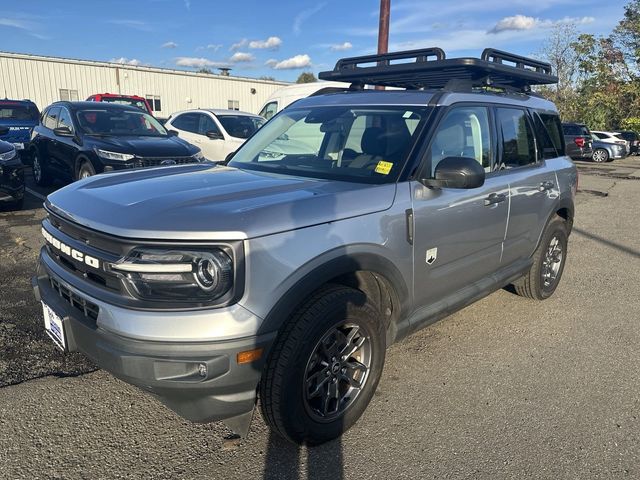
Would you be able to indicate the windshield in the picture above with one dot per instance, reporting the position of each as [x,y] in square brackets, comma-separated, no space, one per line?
[119,123]
[126,101]
[357,144]
[21,112]
[240,126]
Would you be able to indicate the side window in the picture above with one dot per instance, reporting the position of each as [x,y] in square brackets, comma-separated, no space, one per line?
[554,129]
[189,122]
[546,148]
[269,110]
[207,124]
[65,119]
[463,132]
[51,119]
[518,145]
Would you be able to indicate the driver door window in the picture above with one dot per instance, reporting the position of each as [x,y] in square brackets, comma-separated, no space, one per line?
[206,124]
[463,132]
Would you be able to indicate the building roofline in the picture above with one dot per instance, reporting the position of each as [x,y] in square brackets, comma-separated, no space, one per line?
[143,68]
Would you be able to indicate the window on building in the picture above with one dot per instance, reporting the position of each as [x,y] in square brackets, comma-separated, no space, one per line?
[233,105]
[67,95]
[154,102]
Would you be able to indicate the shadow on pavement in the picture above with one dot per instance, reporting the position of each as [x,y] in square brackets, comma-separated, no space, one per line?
[608,243]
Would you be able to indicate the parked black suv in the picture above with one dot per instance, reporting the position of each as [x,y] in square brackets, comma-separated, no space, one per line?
[78,139]
[577,139]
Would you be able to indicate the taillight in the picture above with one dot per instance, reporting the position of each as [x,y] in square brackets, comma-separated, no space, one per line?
[579,141]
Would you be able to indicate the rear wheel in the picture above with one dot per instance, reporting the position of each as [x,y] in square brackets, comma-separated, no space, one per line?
[85,170]
[548,263]
[600,155]
[324,367]
[40,169]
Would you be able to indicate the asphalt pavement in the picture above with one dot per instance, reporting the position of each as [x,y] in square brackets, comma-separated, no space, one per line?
[506,388]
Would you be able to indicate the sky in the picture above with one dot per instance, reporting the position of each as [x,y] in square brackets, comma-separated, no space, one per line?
[282,38]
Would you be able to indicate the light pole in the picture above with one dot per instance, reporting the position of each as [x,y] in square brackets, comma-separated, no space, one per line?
[383,30]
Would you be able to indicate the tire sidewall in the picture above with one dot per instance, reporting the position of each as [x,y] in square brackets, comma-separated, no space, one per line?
[555,228]
[37,159]
[299,424]
[85,165]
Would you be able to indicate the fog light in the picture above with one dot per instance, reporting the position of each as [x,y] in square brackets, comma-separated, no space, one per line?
[108,168]
[202,369]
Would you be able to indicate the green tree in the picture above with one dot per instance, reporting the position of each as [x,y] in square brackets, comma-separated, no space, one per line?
[306,77]
[205,70]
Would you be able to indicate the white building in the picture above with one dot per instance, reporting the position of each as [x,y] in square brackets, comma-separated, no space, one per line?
[48,79]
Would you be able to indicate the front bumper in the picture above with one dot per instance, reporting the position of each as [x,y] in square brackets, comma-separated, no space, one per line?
[11,180]
[199,380]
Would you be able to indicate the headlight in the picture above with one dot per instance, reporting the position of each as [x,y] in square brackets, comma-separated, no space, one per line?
[8,155]
[198,156]
[177,276]
[114,155]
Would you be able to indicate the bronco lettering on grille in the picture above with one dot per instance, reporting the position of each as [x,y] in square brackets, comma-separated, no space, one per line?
[71,252]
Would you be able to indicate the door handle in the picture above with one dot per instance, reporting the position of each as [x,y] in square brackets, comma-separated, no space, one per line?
[544,186]
[494,198]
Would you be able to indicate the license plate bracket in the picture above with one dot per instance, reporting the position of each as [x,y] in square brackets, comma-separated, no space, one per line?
[54,326]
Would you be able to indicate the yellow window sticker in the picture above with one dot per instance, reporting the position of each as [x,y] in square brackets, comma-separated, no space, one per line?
[383,167]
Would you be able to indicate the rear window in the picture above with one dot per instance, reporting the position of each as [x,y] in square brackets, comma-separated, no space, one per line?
[576,130]
[126,101]
[17,111]
[629,136]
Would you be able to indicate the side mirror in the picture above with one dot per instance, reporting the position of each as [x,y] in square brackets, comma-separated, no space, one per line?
[172,133]
[214,135]
[4,131]
[456,172]
[228,158]
[63,132]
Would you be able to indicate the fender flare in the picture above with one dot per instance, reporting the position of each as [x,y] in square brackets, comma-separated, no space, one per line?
[334,267]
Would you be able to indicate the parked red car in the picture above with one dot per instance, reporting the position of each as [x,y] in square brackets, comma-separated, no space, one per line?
[133,100]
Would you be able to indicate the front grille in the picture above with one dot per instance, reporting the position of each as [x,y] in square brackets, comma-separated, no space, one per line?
[158,161]
[89,309]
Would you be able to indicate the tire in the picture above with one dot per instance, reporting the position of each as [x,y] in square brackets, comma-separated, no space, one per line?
[296,386]
[545,273]
[41,174]
[85,170]
[600,155]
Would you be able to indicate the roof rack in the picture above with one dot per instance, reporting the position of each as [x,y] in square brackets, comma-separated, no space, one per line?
[429,68]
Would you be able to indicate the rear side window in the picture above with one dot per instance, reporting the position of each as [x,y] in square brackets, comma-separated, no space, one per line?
[65,119]
[51,118]
[554,129]
[189,122]
[518,145]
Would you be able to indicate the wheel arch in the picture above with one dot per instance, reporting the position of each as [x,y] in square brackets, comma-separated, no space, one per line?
[371,273]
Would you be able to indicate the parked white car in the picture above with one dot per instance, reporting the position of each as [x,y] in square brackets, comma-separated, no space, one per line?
[216,132]
[610,137]
[287,95]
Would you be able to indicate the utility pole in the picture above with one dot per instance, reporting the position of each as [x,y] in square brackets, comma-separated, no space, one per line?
[383,30]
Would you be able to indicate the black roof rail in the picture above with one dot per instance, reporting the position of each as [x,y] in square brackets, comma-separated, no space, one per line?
[429,68]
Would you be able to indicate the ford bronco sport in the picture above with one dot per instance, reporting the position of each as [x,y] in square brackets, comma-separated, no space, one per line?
[285,277]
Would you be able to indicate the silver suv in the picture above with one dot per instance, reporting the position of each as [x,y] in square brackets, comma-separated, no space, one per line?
[347,222]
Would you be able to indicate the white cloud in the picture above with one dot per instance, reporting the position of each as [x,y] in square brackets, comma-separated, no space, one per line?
[241,44]
[134,24]
[523,22]
[214,47]
[126,61]
[198,62]
[299,61]
[304,16]
[271,43]
[241,57]
[338,47]
[169,45]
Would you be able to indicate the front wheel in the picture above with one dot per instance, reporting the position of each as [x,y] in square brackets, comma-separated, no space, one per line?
[600,155]
[548,263]
[324,367]
[40,170]
[85,170]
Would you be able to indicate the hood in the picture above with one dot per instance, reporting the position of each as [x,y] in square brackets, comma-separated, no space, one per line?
[204,202]
[145,146]
[19,130]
